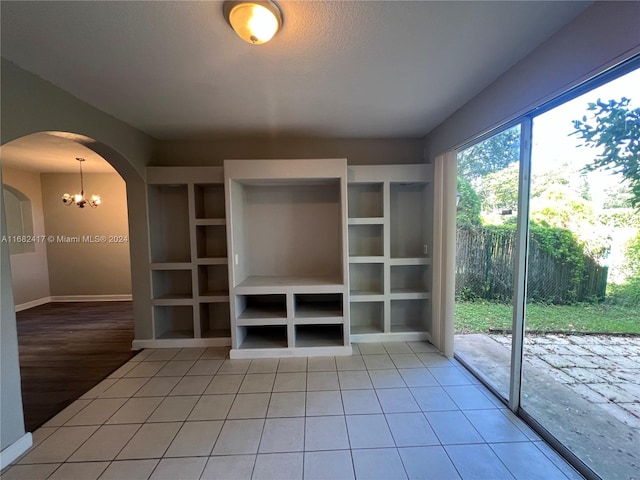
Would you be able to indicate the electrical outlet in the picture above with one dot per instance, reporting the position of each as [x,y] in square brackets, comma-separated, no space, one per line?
[237,259]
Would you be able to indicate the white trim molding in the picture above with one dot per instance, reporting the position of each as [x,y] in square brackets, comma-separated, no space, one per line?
[16,449]
[92,298]
[33,303]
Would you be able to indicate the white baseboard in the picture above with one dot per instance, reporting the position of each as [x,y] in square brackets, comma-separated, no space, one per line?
[32,303]
[92,298]
[16,449]
[73,298]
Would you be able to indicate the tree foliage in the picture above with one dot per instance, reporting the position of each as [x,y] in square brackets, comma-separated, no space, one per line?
[468,211]
[491,155]
[614,128]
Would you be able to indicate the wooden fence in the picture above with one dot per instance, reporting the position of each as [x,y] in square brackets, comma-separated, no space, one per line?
[484,270]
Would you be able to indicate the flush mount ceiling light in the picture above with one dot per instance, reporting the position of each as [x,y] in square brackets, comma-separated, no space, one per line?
[79,198]
[255,22]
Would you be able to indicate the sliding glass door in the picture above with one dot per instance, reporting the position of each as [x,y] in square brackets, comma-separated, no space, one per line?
[548,272]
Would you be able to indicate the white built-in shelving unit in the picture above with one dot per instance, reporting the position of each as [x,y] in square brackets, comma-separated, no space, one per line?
[288,269]
[389,263]
[188,264]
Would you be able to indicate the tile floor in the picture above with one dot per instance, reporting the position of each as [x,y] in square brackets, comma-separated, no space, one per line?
[390,411]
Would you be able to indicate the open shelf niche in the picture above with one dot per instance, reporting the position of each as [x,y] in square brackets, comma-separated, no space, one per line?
[389,245]
[288,251]
[188,263]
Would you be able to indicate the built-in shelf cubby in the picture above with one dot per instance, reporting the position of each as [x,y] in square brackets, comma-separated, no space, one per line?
[262,337]
[365,200]
[213,280]
[318,306]
[366,279]
[261,309]
[214,320]
[173,322]
[366,240]
[367,318]
[209,201]
[408,224]
[409,316]
[211,241]
[171,284]
[409,279]
[169,216]
[320,335]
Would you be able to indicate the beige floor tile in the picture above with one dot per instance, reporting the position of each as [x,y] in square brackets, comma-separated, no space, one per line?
[290,381]
[29,472]
[321,364]
[129,470]
[124,388]
[378,463]
[41,434]
[215,353]
[97,412]
[150,441]
[176,368]
[335,464]
[378,362]
[290,365]
[325,433]
[283,466]
[249,405]
[162,354]
[105,443]
[59,445]
[353,362]
[287,404]
[224,384]
[406,360]
[205,367]
[322,381]
[397,400]
[65,415]
[136,410]
[350,380]
[234,367]
[397,347]
[358,402]
[192,385]
[212,407]
[145,369]
[324,403]
[229,467]
[239,437]
[257,383]
[174,409]
[282,435]
[386,378]
[371,348]
[191,353]
[369,431]
[99,388]
[188,468]
[264,365]
[195,439]
[79,471]
[158,387]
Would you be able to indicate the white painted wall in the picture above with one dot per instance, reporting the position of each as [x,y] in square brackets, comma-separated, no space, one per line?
[30,272]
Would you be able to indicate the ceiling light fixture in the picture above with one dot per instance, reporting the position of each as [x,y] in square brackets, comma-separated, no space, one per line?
[255,22]
[79,198]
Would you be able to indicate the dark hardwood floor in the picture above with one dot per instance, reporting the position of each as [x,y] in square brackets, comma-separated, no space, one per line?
[66,349]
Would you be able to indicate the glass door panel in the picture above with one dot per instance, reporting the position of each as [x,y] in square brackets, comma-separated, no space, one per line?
[581,358]
[485,255]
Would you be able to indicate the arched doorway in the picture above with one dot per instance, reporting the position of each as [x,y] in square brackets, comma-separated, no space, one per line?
[72,286]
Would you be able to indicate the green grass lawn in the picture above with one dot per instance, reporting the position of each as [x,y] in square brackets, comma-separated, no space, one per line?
[480,316]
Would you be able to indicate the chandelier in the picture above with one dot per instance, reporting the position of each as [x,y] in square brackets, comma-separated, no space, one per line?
[79,198]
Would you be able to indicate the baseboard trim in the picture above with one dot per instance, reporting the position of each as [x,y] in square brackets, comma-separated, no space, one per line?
[16,449]
[32,304]
[91,298]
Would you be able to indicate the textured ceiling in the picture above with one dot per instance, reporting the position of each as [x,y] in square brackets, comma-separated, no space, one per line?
[337,69]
